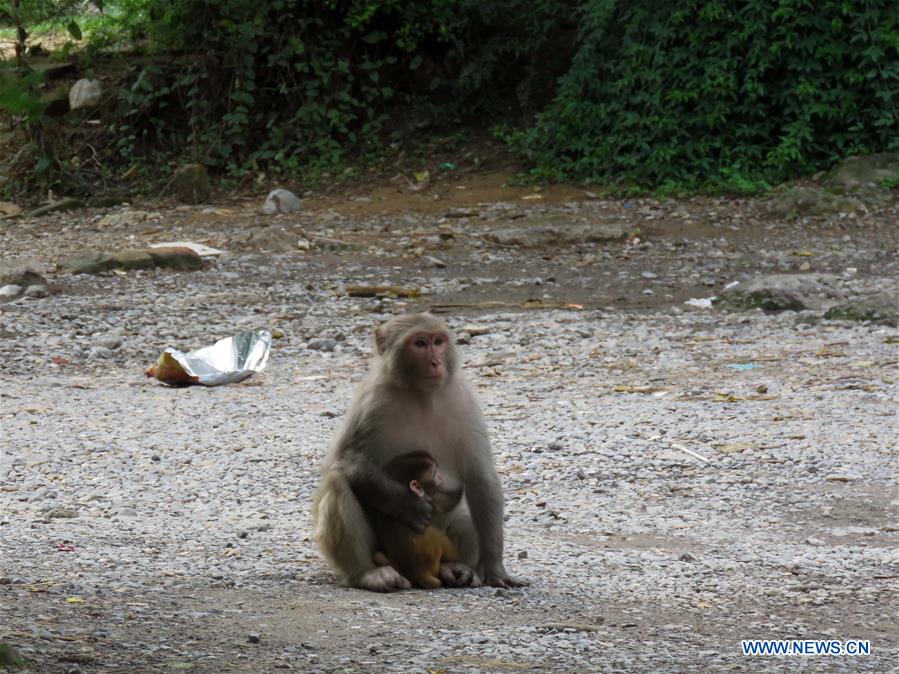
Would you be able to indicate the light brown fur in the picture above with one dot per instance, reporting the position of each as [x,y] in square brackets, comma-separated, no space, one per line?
[394,412]
[418,557]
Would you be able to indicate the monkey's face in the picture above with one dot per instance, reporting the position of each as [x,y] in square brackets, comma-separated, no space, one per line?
[425,355]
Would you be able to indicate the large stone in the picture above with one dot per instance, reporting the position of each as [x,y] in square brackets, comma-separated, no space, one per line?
[85,94]
[93,262]
[179,259]
[867,171]
[126,218]
[274,240]
[780,292]
[556,229]
[190,184]
[281,201]
[133,259]
[813,201]
[22,272]
[882,309]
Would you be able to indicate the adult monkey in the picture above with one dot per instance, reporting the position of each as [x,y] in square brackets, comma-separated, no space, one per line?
[414,398]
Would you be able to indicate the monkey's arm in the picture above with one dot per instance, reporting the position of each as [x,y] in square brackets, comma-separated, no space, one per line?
[485,502]
[378,493]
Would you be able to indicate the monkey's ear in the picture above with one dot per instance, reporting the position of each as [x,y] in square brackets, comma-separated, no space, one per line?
[415,486]
[380,340]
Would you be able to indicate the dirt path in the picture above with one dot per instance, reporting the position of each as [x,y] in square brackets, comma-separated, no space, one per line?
[147,529]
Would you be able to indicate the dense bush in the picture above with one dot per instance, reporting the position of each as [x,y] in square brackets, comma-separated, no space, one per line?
[288,84]
[725,91]
[640,93]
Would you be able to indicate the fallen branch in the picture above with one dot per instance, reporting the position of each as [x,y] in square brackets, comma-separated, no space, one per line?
[375,291]
[529,304]
[690,452]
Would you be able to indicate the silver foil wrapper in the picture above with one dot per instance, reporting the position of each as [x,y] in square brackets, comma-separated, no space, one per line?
[228,361]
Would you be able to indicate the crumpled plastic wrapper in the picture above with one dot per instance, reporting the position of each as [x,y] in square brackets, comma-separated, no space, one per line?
[228,361]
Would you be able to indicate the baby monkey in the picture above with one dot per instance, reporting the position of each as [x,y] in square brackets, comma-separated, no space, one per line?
[417,556]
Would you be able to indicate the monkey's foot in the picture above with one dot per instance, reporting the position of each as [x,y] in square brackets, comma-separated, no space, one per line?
[456,574]
[383,579]
[499,578]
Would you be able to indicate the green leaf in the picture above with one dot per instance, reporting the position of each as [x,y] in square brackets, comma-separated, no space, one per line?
[42,165]
[74,30]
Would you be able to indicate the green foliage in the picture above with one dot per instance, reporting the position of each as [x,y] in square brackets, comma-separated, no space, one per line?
[18,97]
[290,84]
[891,183]
[712,94]
[723,92]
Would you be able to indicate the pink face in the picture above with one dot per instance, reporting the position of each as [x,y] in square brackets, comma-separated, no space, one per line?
[426,350]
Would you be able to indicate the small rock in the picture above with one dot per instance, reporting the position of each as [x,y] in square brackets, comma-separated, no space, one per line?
[321,344]
[463,338]
[62,512]
[281,201]
[110,342]
[811,540]
[9,292]
[840,477]
[253,638]
[37,292]
[523,554]
[686,557]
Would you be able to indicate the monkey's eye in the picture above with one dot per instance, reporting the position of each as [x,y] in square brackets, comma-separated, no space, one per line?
[421,343]
[438,341]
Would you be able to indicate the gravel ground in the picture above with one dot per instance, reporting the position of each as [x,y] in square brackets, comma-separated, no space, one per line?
[676,479]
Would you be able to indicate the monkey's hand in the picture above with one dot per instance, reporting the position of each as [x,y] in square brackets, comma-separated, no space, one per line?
[456,574]
[497,577]
[378,492]
[383,579]
[414,511]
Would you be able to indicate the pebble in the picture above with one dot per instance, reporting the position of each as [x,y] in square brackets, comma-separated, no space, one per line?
[62,513]
[37,291]
[10,291]
[108,342]
[322,344]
